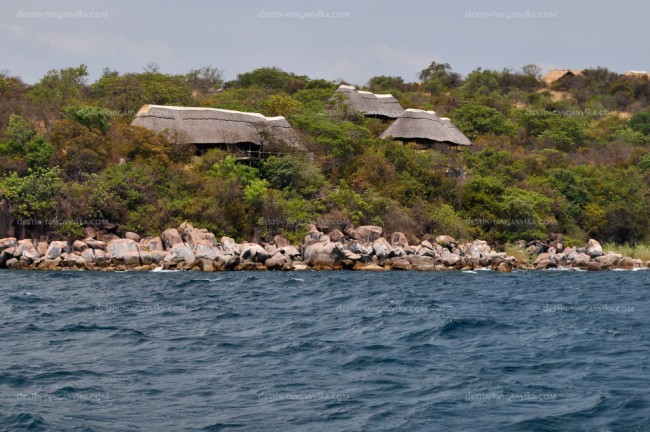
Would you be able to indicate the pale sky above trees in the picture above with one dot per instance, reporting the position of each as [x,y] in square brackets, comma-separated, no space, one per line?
[364,39]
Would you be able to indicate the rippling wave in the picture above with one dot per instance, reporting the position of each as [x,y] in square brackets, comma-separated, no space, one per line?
[345,351]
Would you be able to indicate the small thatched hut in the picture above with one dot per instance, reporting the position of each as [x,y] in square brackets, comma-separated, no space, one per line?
[426,128]
[371,104]
[558,74]
[242,132]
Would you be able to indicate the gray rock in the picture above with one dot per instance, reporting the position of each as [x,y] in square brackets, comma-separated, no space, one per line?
[321,254]
[79,246]
[421,262]
[398,239]
[95,244]
[594,249]
[382,249]
[370,233]
[55,249]
[203,249]
[158,256]
[336,236]
[360,248]
[88,255]
[123,251]
[41,247]
[229,246]
[182,252]
[280,241]
[291,251]
[153,244]
[25,248]
[253,252]
[170,237]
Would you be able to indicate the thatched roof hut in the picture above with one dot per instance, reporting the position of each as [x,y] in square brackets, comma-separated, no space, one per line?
[217,128]
[556,74]
[425,127]
[371,104]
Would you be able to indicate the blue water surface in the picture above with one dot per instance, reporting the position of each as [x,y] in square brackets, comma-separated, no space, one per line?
[316,351]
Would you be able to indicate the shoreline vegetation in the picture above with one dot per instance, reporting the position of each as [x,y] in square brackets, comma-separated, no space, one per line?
[555,162]
[364,248]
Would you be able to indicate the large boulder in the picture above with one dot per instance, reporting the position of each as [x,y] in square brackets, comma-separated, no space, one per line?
[41,247]
[55,249]
[280,241]
[398,239]
[170,237]
[360,248]
[336,236]
[450,260]
[123,251]
[182,252]
[204,249]
[290,251]
[278,261]
[580,260]
[7,243]
[88,255]
[95,244]
[445,240]
[421,262]
[594,249]
[610,259]
[370,233]
[253,252]
[79,246]
[153,244]
[382,249]
[185,229]
[229,246]
[26,249]
[322,253]
[353,234]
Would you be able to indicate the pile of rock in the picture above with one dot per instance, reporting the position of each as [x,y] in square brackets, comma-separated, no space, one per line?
[362,248]
[592,257]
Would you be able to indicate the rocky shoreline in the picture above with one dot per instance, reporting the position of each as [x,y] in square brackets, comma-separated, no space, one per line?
[362,248]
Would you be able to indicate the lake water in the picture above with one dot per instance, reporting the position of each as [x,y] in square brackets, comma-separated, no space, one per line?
[316,351]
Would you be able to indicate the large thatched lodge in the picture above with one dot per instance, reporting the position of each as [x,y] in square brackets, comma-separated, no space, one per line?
[251,135]
[246,134]
[383,106]
[426,128]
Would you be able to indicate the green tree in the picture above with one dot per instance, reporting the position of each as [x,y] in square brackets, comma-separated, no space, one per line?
[89,116]
[31,196]
[59,88]
[640,122]
[474,119]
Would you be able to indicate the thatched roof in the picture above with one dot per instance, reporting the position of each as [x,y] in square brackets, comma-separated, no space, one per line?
[556,74]
[371,104]
[215,126]
[425,126]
